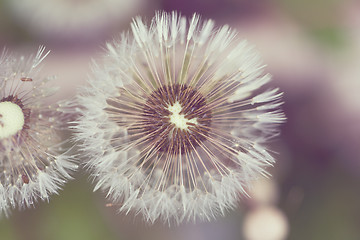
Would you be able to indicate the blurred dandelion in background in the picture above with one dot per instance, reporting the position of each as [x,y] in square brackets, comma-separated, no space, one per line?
[33,160]
[72,19]
[173,123]
[266,222]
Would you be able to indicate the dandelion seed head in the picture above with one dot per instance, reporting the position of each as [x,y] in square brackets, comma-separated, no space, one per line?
[173,123]
[33,164]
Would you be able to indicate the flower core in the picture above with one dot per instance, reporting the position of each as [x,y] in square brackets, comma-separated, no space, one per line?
[176,118]
[179,119]
[11,119]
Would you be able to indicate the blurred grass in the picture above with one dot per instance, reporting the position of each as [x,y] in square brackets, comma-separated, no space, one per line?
[73,214]
[331,37]
[330,210]
[76,213]
[320,19]
[6,229]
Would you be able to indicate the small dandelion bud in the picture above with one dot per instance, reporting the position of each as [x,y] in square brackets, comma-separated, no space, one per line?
[31,165]
[173,124]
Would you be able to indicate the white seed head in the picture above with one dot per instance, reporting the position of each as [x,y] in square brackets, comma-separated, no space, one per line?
[171,124]
[11,119]
[32,164]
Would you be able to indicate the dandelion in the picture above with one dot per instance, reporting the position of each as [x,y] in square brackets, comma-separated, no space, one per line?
[173,123]
[33,162]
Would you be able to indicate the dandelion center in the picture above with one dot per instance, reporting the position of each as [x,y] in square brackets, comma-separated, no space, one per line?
[179,119]
[176,118]
[11,119]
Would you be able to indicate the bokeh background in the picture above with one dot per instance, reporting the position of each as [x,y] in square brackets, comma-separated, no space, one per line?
[311,47]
